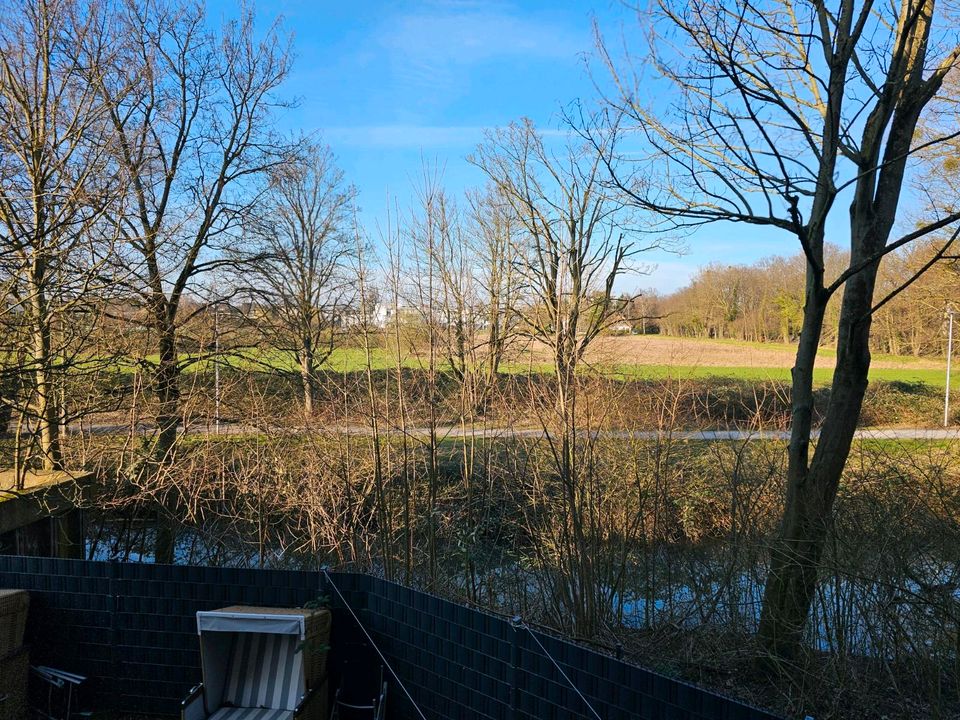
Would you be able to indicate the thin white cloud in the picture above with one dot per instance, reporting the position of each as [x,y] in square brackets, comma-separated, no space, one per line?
[465,34]
[429,48]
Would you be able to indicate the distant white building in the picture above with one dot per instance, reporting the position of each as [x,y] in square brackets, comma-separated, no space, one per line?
[383,313]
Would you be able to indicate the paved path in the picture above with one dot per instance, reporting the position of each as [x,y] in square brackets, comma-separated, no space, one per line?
[733,435]
[932,434]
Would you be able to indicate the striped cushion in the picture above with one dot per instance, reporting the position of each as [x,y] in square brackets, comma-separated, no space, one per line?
[265,671]
[251,714]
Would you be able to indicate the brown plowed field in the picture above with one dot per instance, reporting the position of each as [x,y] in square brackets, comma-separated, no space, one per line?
[661,350]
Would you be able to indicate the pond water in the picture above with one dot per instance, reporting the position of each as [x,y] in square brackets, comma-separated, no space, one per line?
[880,617]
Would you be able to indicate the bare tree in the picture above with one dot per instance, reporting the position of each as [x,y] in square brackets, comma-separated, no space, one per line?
[300,272]
[495,242]
[574,245]
[195,137]
[58,182]
[782,115]
[571,252]
[440,320]
[373,409]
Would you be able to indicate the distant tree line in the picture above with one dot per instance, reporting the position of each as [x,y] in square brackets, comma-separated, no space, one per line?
[763,302]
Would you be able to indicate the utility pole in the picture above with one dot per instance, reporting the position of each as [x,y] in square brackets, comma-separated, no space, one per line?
[946,395]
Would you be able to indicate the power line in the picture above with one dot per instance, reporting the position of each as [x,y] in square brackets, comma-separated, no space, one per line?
[362,628]
[518,622]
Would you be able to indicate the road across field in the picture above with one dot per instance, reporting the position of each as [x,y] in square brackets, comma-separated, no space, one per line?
[932,434]
[712,435]
[455,432]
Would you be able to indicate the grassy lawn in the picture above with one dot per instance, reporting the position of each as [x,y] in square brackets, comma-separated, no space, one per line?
[821,376]
[646,366]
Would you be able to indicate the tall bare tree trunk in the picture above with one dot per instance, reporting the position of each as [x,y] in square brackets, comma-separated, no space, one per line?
[167,379]
[811,492]
[308,375]
[45,402]
[882,60]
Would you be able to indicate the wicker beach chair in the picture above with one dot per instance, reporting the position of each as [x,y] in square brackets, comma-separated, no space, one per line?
[261,664]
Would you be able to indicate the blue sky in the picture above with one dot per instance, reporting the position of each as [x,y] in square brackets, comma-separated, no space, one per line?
[391,85]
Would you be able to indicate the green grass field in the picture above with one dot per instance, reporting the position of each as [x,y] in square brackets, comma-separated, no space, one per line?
[353,359]
[821,376]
